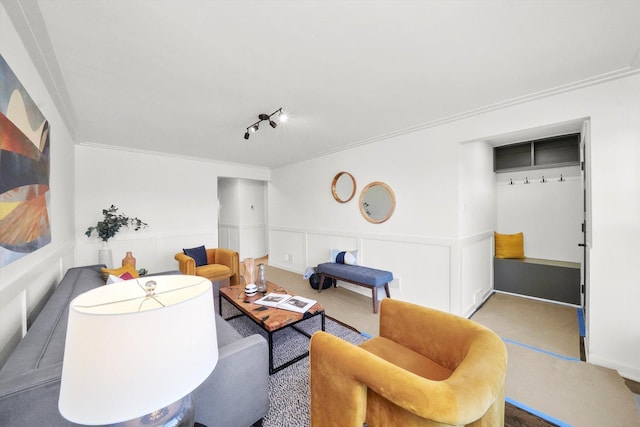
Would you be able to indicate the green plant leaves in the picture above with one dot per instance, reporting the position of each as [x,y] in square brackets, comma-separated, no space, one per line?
[113,222]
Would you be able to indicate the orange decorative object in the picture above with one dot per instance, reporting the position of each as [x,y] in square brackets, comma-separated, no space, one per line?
[129,259]
[249,270]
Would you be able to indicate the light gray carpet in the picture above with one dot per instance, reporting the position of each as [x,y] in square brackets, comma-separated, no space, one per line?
[545,325]
[544,371]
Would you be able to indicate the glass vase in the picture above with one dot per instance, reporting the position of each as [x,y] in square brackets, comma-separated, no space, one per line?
[261,281]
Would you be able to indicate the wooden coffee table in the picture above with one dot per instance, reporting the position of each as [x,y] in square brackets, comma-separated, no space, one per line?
[270,319]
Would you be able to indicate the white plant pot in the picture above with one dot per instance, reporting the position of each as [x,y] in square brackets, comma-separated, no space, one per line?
[105,256]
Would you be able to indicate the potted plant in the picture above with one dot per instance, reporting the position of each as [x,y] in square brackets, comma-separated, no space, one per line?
[109,227]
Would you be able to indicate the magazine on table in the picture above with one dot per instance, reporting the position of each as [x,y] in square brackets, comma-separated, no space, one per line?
[287,302]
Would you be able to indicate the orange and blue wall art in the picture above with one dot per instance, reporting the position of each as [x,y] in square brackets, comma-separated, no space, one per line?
[24,171]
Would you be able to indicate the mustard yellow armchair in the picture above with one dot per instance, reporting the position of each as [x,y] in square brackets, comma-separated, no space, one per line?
[427,368]
[221,264]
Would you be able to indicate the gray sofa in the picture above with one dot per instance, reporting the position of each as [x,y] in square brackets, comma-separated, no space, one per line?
[235,394]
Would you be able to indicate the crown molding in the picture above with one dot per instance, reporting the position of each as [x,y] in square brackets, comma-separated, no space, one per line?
[29,24]
[569,87]
[170,155]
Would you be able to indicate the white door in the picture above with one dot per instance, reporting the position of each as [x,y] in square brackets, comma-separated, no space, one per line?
[585,168]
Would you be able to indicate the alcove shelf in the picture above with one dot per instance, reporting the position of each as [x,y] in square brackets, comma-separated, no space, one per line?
[556,151]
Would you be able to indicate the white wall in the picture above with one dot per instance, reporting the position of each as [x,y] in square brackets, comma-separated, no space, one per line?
[24,282]
[614,290]
[477,188]
[549,214]
[301,197]
[177,197]
[477,213]
[416,243]
[425,242]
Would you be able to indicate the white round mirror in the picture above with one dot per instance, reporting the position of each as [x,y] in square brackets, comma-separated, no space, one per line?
[343,187]
[377,202]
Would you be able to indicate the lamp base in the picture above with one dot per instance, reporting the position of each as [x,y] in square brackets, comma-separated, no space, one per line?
[178,414]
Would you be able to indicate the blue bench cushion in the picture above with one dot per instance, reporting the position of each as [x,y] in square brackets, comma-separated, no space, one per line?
[356,273]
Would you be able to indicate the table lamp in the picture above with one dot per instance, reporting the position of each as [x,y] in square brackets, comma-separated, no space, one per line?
[135,350]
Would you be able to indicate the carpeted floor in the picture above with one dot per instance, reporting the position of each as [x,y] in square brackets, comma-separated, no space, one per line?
[289,388]
[542,341]
[544,325]
[545,371]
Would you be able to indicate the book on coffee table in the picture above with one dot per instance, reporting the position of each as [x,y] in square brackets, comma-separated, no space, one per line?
[287,302]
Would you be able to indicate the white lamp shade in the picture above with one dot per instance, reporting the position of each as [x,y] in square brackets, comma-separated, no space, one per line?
[127,355]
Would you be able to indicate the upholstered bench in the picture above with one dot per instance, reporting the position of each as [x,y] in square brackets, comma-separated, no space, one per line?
[358,275]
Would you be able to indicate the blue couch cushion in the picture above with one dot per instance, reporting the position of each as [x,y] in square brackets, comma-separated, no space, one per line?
[357,273]
[198,254]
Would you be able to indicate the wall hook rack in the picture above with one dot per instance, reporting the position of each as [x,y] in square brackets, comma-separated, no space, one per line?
[510,181]
[526,180]
[542,181]
[561,178]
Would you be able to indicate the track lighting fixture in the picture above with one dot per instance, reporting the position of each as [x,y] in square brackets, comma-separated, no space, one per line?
[282,117]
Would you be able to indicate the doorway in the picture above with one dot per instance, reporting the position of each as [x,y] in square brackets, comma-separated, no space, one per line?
[242,216]
[551,206]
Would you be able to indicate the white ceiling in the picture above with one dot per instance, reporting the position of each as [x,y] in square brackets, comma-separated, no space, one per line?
[186,77]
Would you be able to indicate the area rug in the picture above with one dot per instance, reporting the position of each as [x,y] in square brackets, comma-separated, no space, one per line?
[289,404]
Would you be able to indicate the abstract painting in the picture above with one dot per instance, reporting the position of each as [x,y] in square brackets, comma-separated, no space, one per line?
[24,171]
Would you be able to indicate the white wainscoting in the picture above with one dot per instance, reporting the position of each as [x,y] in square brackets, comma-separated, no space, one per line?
[23,293]
[13,321]
[229,236]
[476,272]
[453,275]
[247,240]
[155,252]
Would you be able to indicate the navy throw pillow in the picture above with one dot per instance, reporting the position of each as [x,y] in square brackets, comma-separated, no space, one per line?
[340,257]
[198,254]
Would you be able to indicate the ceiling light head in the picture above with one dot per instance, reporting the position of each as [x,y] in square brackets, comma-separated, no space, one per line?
[266,118]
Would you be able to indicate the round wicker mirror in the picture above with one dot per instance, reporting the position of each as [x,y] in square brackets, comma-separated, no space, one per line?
[343,187]
[377,202]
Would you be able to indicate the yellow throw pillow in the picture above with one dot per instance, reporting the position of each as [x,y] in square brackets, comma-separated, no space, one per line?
[509,245]
[119,271]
